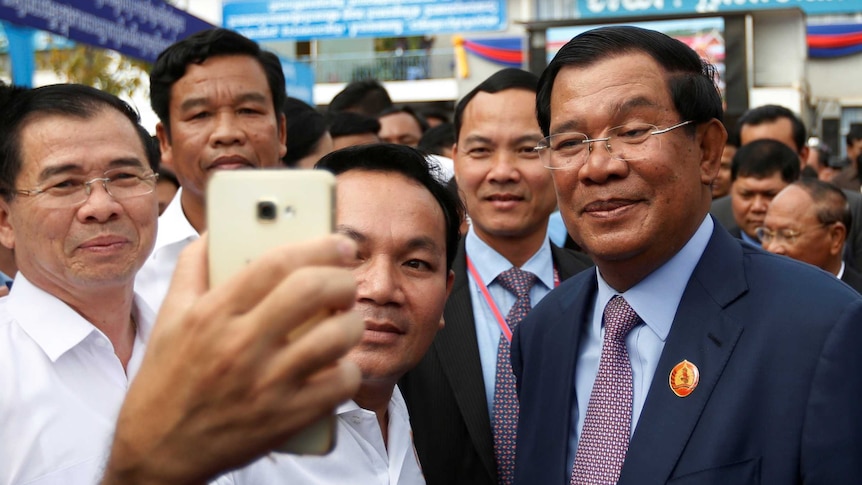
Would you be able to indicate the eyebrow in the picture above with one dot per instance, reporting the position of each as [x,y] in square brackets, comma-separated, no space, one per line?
[518,141]
[49,172]
[192,103]
[477,139]
[419,242]
[620,109]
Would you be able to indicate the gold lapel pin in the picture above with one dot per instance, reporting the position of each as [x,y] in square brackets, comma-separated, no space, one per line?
[684,378]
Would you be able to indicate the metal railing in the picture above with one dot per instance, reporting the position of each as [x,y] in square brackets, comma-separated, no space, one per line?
[383,66]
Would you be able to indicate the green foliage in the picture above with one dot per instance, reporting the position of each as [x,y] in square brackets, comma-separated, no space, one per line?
[101,68]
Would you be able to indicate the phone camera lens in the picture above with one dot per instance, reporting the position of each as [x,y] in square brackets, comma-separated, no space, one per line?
[266,210]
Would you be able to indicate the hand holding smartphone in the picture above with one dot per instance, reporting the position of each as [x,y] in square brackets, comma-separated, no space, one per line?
[251,211]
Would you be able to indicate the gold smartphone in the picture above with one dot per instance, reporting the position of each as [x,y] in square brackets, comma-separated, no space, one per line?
[251,211]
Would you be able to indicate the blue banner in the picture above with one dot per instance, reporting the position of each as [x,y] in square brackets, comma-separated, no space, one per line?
[299,80]
[334,19]
[21,46]
[598,9]
[137,28]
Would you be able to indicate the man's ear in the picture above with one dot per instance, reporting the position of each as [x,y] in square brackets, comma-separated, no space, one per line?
[7,231]
[837,237]
[713,137]
[164,138]
[282,135]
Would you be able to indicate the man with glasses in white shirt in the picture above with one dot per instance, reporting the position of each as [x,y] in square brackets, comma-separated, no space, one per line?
[78,209]
[218,382]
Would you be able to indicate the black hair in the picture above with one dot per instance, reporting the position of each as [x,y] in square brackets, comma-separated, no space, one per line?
[172,63]
[305,129]
[439,114]
[367,97]
[769,113]
[732,135]
[830,202]
[690,79]
[438,139]
[345,123]
[854,134]
[509,78]
[824,155]
[763,158]
[72,100]
[411,163]
[423,124]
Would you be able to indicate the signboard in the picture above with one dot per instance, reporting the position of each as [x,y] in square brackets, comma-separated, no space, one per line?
[589,9]
[137,28]
[336,19]
[704,35]
[299,80]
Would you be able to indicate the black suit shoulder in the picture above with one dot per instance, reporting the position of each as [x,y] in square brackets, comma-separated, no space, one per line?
[853,278]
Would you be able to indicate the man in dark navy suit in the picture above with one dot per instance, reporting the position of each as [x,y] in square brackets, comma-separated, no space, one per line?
[687,357]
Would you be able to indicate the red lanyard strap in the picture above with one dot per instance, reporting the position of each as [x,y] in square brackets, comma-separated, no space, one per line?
[504,327]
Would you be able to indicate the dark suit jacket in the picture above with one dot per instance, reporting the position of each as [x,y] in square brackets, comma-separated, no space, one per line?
[445,393]
[852,278]
[723,212]
[777,345]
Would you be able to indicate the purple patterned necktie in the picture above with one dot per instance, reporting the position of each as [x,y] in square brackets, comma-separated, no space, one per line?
[607,427]
[505,418]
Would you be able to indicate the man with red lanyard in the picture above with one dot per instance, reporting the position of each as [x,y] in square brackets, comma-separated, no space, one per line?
[461,397]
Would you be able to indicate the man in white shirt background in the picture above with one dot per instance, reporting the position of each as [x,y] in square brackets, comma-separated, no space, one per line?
[218,97]
[402,268]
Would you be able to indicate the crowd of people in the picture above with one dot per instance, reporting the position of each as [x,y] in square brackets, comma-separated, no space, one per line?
[573,281]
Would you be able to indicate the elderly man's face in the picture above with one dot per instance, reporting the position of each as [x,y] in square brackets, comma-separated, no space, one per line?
[98,243]
[633,214]
[796,232]
[400,268]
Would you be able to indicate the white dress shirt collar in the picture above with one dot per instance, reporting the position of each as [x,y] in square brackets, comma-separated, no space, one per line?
[656,297]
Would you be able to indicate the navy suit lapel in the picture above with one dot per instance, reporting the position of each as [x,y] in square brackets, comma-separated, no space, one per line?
[456,348]
[704,336]
[547,389]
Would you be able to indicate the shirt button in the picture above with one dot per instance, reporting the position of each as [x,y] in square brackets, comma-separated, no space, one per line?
[356,419]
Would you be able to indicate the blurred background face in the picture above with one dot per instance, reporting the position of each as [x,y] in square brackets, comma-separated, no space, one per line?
[400,128]
[750,200]
[792,212]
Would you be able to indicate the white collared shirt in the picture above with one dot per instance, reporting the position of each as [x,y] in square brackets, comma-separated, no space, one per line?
[175,233]
[360,455]
[61,387]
